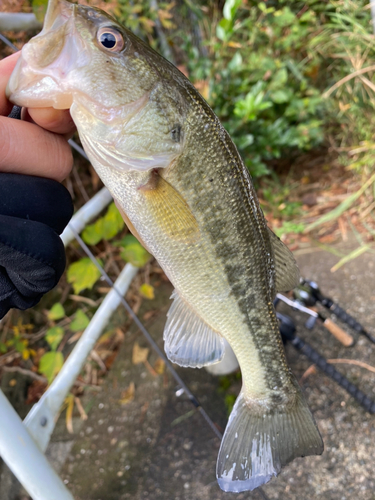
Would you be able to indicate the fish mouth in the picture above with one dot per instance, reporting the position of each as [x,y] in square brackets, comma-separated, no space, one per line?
[43,73]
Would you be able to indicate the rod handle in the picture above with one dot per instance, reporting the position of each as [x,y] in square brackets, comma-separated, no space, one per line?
[343,337]
[349,320]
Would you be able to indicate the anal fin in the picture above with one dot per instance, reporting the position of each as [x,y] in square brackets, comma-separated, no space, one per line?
[189,341]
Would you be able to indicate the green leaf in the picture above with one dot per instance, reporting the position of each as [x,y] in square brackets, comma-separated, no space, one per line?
[106,227]
[93,233]
[56,312]
[54,336]
[50,364]
[3,348]
[113,222]
[230,9]
[39,8]
[236,63]
[224,29]
[147,291]
[83,274]
[280,96]
[19,346]
[80,321]
[133,252]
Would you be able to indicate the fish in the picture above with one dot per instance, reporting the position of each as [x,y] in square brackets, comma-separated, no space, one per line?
[183,189]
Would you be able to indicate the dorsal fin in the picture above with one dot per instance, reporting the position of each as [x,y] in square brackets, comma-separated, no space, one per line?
[189,341]
[287,272]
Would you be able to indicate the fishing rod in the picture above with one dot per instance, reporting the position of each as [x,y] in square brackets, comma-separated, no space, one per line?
[288,333]
[309,294]
[344,337]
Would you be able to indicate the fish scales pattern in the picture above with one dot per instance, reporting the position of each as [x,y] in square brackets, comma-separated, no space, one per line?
[236,228]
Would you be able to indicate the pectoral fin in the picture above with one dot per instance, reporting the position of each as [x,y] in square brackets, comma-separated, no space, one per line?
[189,341]
[287,272]
[172,213]
[130,226]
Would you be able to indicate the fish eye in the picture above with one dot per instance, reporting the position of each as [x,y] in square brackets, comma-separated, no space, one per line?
[111,39]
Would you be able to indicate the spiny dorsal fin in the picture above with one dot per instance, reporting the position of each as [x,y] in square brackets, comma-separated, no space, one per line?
[189,341]
[287,272]
[170,210]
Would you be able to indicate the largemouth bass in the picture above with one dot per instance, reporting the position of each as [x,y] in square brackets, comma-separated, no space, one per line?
[185,193]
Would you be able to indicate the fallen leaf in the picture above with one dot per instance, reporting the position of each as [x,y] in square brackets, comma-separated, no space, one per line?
[54,336]
[159,366]
[83,274]
[109,361]
[128,394]
[69,401]
[81,409]
[147,291]
[56,312]
[120,336]
[235,45]
[50,364]
[139,354]
[80,321]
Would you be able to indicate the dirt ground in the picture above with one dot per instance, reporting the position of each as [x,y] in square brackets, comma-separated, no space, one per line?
[158,446]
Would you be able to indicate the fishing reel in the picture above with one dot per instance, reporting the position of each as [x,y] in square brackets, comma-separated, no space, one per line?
[309,294]
[305,298]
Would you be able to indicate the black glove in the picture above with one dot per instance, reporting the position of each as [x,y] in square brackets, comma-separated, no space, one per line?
[33,212]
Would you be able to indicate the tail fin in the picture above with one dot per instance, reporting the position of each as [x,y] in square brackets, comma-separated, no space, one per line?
[256,445]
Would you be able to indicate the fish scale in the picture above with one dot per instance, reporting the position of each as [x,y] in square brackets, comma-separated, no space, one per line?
[230,255]
[185,193]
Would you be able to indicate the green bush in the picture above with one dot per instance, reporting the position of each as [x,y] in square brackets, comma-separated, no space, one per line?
[259,83]
[266,67]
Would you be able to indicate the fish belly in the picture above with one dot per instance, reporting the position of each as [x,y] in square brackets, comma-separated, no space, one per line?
[201,280]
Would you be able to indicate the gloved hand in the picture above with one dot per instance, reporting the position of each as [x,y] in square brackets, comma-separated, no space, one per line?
[33,212]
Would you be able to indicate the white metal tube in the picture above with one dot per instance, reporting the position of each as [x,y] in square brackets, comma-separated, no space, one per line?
[15,21]
[25,460]
[41,419]
[88,212]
